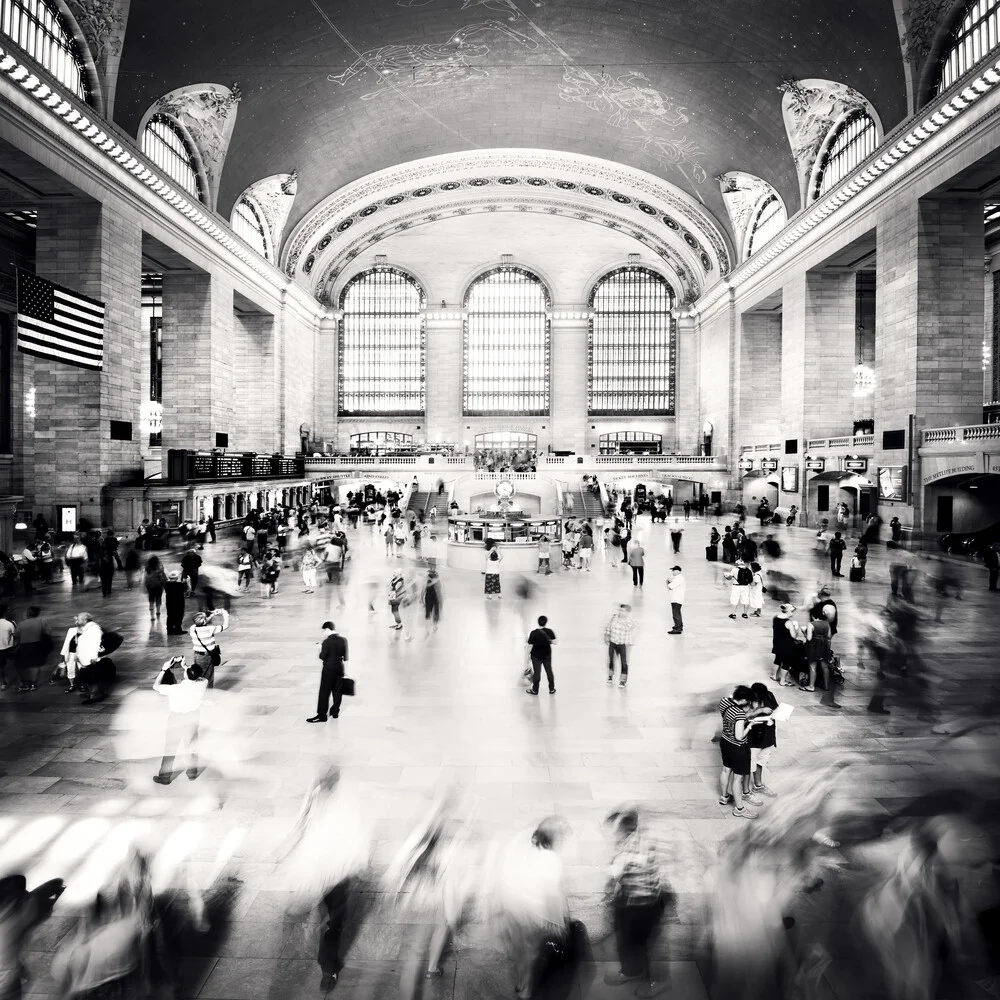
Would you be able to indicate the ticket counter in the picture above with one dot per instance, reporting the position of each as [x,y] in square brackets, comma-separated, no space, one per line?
[516,537]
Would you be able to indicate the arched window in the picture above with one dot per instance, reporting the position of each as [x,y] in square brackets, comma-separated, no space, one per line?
[381,346]
[974,38]
[165,144]
[631,344]
[768,221]
[506,344]
[248,224]
[34,26]
[853,141]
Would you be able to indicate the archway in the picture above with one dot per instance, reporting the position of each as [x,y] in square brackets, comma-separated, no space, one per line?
[826,491]
[506,451]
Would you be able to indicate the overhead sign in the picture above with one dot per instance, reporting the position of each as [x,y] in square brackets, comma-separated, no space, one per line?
[769,464]
[935,467]
[746,464]
[816,464]
[855,464]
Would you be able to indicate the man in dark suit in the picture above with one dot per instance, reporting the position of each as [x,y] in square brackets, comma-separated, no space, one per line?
[333,653]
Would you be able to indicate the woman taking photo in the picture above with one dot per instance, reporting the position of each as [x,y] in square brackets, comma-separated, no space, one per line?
[491,570]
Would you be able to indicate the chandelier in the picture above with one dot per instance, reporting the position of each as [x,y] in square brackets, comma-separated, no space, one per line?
[864,379]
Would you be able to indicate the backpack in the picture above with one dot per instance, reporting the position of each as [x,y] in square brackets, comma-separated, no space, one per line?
[744,576]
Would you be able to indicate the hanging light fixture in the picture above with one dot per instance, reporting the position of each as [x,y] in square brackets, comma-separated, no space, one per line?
[864,379]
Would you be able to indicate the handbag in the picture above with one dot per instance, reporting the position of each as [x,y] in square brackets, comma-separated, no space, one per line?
[214,654]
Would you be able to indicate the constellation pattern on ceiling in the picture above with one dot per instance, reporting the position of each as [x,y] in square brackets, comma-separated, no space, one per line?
[500,6]
[628,102]
[430,64]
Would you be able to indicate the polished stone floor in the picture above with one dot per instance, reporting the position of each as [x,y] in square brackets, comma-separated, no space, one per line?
[76,788]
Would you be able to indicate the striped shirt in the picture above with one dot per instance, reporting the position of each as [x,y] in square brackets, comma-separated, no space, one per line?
[397,588]
[620,629]
[731,714]
[203,636]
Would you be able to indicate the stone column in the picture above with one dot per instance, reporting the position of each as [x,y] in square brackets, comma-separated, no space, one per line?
[256,385]
[686,393]
[567,422]
[443,388]
[758,381]
[68,451]
[930,314]
[198,349]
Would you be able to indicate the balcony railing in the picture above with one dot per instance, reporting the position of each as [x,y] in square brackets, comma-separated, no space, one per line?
[844,441]
[958,435]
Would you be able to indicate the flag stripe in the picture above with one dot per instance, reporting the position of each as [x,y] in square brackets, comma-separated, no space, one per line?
[51,354]
[88,319]
[87,328]
[80,303]
[56,335]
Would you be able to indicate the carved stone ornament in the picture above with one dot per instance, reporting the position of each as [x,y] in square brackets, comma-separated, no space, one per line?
[811,108]
[274,195]
[921,18]
[103,24]
[743,194]
[208,112]
[630,194]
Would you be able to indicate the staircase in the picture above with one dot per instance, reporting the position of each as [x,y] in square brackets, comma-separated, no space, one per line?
[589,503]
[420,501]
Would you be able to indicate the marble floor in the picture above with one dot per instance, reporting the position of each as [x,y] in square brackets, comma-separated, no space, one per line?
[76,788]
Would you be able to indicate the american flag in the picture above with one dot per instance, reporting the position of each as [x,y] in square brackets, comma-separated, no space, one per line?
[53,322]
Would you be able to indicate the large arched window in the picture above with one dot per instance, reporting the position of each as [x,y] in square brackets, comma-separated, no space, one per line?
[975,36]
[165,144]
[248,224]
[506,344]
[768,221]
[853,141]
[631,344]
[34,26]
[381,346]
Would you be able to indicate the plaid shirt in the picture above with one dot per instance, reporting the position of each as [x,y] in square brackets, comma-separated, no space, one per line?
[620,629]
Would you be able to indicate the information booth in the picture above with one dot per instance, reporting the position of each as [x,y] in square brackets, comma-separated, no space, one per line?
[516,537]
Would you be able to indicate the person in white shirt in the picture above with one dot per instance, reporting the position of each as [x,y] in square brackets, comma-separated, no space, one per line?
[81,647]
[185,701]
[8,644]
[677,588]
[203,644]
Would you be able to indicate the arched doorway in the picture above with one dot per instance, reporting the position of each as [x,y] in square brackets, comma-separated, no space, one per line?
[506,451]
[631,443]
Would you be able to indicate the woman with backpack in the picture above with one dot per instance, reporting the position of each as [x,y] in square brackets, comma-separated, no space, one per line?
[739,595]
[637,900]
[154,580]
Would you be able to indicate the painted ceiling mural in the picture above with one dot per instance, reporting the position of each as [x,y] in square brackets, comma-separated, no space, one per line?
[339,89]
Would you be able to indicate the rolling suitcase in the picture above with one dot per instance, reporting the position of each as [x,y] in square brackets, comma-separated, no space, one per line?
[712,553]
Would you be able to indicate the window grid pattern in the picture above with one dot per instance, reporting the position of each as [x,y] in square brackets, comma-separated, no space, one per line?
[768,221]
[631,356]
[381,345]
[248,225]
[507,350]
[164,144]
[630,442]
[37,29]
[976,36]
[506,441]
[856,139]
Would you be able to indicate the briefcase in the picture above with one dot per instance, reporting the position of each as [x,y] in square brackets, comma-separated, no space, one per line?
[712,553]
[347,689]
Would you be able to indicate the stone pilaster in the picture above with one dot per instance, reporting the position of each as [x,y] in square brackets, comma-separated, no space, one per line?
[198,354]
[69,455]
[568,385]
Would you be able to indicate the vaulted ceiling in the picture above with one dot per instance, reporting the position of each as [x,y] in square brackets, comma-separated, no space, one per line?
[337,89]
